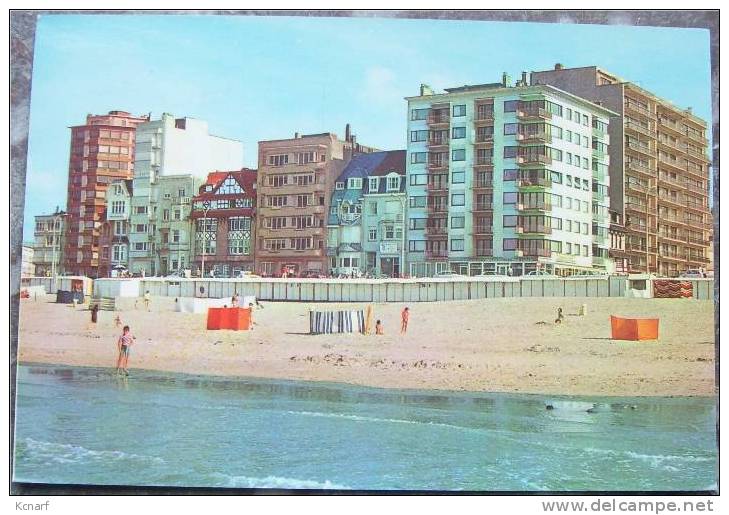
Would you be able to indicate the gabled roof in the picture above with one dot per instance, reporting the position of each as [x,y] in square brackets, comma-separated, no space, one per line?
[245,177]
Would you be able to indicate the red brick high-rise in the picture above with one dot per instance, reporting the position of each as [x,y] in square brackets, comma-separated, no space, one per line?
[102,151]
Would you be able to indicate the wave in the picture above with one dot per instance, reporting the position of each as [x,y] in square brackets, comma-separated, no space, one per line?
[68,453]
[363,418]
[226,480]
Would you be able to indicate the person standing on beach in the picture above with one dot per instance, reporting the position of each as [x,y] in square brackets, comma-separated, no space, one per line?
[124,344]
[94,314]
[378,328]
[405,315]
[234,301]
[147,299]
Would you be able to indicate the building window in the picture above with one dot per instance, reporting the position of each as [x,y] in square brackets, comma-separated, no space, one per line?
[355,183]
[140,210]
[459,132]
[339,185]
[303,158]
[418,201]
[459,155]
[511,128]
[458,222]
[510,243]
[419,114]
[175,236]
[416,245]
[177,214]
[459,110]
[373,184]
[510,152]
[239,235]
[458,199]
[393,183]
[117,207]
[457,245]
[418,179]
[278,160]
[509,221]
[418,157]
[417,223]
[229,187]
[373,234]
[510,106]
[510,197]
[372,209]
[416,136]
[458,177]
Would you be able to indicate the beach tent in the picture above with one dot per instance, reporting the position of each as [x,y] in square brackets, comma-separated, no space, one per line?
[327,322]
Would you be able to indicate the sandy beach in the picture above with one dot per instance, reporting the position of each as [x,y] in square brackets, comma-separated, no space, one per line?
[496,345]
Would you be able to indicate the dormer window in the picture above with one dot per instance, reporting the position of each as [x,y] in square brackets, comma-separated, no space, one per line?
[208,188]
[393,183]
[339,185]
[355,183]
[374,184]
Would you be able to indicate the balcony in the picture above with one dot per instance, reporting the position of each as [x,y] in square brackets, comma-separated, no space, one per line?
[436,229]
[484,113]
[537,137]
[541,160]
[670,236]
[639,208]
[696,206]
[537,182]
[538,206]
[484,140]
[436,254]
[439,118]
[638,109]
[482,207]
[530,252]
[641,129]
[484,252]
[484,161]
[671,127]
[437,164]
[695,240]
[636,166]
[480,184]
[437,208]
[439,142]
[697,138]
[532,230]
[437,187]
[480,230]
[668,199]
[390,247]
[646,150]
[533,114]
[696,153]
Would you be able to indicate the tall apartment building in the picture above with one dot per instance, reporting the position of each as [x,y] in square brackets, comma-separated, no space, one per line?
[366,226]
[659,170]
[172,159]
[506,179]
[49,236]
[102,151]
[295,182]
[223,218]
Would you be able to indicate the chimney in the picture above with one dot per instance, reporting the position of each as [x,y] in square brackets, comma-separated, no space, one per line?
[347,133]
[559,66]
[297,135]
[505,80]
[524,79]
[425,90]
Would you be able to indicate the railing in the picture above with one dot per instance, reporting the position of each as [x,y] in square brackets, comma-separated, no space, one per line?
[534,113]
[639,109]
[437,118]
[437,186]
[489,138]
[647,131]
[696,153]
[525,229]
[437,208]
[432,254]
[541,137]
[670,125]
[539,206]
[483,207]
[536,252]
[484,161]
[483,183]
[438,142]
[646,149]
[538,181]
[534,160]
[484,252]
[434,231]
[483,229]
[634,165]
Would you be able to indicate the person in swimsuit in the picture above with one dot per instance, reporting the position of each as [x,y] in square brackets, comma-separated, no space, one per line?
[378,328]
[405,318]
[126,340]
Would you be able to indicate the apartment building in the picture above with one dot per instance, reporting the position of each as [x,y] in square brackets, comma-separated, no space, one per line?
[366,225]
[27,267]
[172,160]
[223,218]
[659,170]
[114,233]
[507,179]
[102,151]
[295,181]
[49,243]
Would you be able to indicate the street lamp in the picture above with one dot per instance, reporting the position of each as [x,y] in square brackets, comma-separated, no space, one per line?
[56,242]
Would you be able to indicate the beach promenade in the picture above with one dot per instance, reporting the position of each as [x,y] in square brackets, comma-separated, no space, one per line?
[495,345]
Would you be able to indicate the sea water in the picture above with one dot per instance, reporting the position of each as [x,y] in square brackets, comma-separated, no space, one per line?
[88,426]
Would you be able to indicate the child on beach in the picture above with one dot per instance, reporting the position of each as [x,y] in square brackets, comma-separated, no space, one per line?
[117,321]
[378,328]
[126,340]
[405,318]
[147,298]
[251,307]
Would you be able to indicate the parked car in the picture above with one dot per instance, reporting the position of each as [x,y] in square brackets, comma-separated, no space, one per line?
[312,274]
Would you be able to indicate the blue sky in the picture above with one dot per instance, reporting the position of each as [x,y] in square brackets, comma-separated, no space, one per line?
[256,78]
